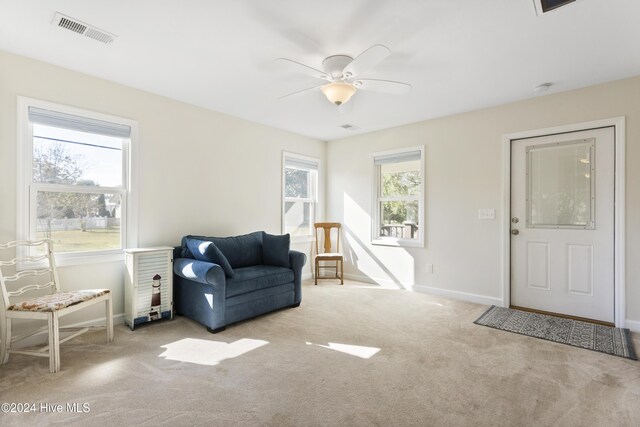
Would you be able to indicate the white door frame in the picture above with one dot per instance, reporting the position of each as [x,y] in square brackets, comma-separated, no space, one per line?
[618,123]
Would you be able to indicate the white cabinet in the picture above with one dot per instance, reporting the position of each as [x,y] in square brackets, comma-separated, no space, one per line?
[148,288]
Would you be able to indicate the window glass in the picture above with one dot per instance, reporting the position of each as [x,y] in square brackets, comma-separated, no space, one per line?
[63,156]
[300,188]
[560,183]
[399,219]
[297,182]
[400,179]
[298,218]
[398,195]
[79,222]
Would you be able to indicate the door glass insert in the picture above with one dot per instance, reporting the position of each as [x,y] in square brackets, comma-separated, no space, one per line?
[561,185]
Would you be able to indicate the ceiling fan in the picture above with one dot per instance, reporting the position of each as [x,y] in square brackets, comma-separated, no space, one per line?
[344,75]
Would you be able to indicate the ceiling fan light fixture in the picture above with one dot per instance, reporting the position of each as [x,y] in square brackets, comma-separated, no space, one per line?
[338,93]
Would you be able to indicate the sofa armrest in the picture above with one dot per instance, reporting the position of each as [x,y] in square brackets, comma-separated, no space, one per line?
[199,292]
[199,271]
[297,261]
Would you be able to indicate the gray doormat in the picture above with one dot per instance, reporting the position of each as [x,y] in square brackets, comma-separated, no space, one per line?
[605,339]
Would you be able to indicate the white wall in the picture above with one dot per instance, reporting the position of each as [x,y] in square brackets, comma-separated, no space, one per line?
[200,172]
[463,173]
[188,185]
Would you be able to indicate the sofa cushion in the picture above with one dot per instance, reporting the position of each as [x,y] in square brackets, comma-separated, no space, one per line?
[275,250]
[240,251]
[260,302]
[206,250]
[249,279]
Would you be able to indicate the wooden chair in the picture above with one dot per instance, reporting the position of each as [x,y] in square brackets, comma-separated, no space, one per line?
[50,307]
[328,254]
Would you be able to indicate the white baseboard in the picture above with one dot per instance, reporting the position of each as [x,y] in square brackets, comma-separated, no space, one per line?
[39,339]
[306,276]
[382,282]
[98,321]
[632,325]
[463,296]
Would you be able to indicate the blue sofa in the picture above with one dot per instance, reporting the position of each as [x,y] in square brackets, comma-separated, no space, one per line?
[219,281]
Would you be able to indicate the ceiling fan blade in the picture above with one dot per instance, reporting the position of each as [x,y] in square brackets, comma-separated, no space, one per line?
[366,60]
[299,67]
[301,91]
[385,86]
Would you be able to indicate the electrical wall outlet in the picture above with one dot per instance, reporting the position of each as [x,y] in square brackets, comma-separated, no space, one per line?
[486,214]
[430,268]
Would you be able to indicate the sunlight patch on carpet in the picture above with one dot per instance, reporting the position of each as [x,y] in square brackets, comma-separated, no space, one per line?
[352,350]
[204,352]
[101,373]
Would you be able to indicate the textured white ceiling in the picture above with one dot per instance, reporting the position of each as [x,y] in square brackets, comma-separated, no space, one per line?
[459,55]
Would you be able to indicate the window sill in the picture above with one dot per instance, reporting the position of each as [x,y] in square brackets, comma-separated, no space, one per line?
[398,243]
[71,259]
[83,258]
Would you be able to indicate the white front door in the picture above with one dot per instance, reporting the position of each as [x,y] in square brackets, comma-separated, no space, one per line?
[562,223]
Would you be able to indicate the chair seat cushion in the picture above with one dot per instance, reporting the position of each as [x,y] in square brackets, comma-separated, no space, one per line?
[329,255]
[58,300]
[249,279]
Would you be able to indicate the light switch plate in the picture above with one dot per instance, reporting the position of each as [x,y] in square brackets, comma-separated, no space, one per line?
[486,214]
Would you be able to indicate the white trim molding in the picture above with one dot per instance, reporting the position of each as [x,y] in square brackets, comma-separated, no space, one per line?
[619,125]
[383,282]
[457,295]
[633,325]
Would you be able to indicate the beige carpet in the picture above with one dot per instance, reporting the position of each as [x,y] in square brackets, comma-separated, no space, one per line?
[348,356]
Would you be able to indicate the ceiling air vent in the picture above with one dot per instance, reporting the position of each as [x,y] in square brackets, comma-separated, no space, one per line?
[348,126]
[71,24]
[544,6]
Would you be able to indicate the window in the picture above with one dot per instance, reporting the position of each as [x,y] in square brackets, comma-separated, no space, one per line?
[299,195]
[561,185]
[398,194]
[75,183]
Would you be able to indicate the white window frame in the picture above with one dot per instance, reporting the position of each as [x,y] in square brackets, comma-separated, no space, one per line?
[376,197]
[27,190]
[315,189]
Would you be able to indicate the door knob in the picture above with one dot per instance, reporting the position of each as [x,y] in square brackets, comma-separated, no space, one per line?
[515,220]
[515,232]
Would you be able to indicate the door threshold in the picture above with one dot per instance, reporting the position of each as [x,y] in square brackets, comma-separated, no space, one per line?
[564,316]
